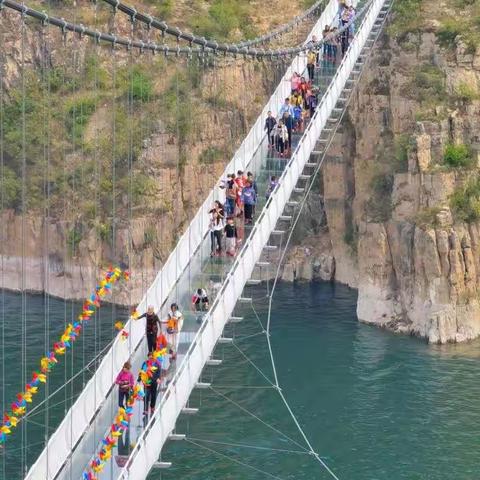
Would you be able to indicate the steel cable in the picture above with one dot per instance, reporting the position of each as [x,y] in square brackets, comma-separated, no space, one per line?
[175,32]
[162,48]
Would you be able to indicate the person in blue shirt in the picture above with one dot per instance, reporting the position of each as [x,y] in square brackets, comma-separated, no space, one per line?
[249,198]
[286,107]
[298,118]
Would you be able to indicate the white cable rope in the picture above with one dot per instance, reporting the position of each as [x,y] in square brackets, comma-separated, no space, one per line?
[2,235]
[246,337]
[243,387]
[239,462]
[256,417]
[253,447]
[24,438]
[253,364]
[71,379]
[152,22]
[56,404]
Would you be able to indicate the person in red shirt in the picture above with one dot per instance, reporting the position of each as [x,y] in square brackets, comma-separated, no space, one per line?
[240,181]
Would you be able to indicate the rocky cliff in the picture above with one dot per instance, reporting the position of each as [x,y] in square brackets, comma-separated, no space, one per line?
[120,149]
[400,189]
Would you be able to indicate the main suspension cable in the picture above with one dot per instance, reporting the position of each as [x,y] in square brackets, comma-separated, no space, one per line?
[152,22]
[163,48]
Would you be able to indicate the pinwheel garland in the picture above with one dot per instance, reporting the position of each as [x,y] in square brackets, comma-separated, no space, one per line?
[70,334]
[122,419]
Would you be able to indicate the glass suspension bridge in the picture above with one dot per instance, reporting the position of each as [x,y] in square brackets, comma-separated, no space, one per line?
[72,447]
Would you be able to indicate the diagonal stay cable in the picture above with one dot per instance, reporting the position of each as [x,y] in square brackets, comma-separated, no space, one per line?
[243,464]
[253,364]
[71,379]
[256,417]
[254,447]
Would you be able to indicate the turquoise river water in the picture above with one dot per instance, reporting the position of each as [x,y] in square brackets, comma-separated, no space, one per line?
[374,405]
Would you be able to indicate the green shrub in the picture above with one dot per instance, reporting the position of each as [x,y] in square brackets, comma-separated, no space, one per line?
[407,18]
[74,237]
[466,93]
[10,188]
[402,146]
[104,231]
[142,87]
[448,32]
[79,112]
[457,156]
[223,18]
[465,201]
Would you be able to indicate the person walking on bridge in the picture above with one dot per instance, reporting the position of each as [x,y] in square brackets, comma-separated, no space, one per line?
[125,382]
[174,325]
[311,62]
[281,137]
[249,200]
[288,121]
[151,327]
[150,388]
[270,123]
[286,107]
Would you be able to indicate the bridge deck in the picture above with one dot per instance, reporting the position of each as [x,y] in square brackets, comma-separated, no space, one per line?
[223,277]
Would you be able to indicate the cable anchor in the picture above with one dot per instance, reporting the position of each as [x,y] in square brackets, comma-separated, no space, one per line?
[133,16]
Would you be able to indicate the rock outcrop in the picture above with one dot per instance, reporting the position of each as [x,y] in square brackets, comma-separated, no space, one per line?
[390,229]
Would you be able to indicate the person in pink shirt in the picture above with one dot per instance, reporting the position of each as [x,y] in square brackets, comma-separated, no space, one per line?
[295,81]
[125,382]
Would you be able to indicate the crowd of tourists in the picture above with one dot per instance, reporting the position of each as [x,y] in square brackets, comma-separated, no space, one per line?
[160,335]
[303,99]
[227,221]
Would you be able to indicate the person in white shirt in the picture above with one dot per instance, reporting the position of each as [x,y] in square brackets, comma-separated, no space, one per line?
[174,325]
[216,228]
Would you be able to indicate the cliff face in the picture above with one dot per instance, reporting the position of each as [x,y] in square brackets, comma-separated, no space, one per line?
[173,138]
[401,213]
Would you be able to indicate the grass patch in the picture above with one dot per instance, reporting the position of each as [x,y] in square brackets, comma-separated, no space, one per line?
[210,155]
[427,218]
[466,93]
[448,32]
[465,201]
[407,19]
[79,111]
[224,17]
